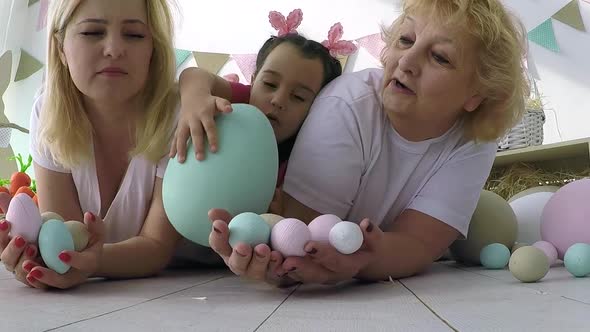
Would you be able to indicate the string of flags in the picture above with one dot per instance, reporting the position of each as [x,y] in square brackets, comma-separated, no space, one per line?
[544,34]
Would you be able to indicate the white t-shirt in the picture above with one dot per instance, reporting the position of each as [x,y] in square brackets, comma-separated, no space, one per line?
[126,215]
[349,160]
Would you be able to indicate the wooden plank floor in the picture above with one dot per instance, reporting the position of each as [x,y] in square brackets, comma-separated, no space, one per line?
[449,297]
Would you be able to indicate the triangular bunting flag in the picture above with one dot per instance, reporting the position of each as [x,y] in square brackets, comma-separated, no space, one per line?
[32,2]
[247,64]
[212,62]
[42,18]
[570,15]
[343,59]
[27,66]
[544,36]
[374,44]
[181,56]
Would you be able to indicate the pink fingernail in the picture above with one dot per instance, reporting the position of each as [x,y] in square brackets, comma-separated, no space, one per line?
[36,274]
[3,225]
[19,242]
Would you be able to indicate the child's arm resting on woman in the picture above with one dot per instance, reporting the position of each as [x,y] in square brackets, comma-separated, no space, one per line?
[202,94]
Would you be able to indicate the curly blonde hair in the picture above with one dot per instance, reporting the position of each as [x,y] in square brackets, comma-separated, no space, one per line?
[502,44]
[64,127]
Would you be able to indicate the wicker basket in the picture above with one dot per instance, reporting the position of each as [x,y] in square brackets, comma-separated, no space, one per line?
[528,132]
[5,137]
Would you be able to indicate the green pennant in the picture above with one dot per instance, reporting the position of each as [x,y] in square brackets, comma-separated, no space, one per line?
[32,2]
[181,56]
[27,66]
[570,15]
[544,35]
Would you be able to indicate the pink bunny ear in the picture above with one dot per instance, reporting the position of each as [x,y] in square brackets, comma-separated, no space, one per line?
[335,33]
[336,46]
[294,19]
[277,20]
[288,25]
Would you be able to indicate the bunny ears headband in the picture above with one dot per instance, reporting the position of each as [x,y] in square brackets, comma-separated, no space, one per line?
[290,24]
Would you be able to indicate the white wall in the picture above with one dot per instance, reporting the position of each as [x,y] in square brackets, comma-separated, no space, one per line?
[239,26]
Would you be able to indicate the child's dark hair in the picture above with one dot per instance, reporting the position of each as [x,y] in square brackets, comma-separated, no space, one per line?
[309,49]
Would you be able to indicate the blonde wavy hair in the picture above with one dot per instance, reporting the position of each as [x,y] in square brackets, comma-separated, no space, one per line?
[64,126]
[502,44]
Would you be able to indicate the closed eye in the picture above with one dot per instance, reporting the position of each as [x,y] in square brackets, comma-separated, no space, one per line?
[440,59]
[270,85]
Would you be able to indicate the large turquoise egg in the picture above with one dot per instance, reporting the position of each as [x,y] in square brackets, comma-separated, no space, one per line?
[240,177]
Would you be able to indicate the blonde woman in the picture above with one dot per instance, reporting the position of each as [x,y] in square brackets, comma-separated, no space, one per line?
[100,132]
[404,150]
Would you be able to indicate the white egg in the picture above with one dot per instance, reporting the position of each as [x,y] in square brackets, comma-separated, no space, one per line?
[346,237]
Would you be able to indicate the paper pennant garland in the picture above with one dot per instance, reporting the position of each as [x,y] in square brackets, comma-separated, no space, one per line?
[343,59]
[181,56]
[27,66]
[42,19]
[212,62]
[544,36]
[374,44]
[570,15]
[247,64]
[32,2]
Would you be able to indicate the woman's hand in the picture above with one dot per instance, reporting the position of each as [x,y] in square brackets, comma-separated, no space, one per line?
[82,264]
[15,252]
[197,115]
[258,263]
[323,264]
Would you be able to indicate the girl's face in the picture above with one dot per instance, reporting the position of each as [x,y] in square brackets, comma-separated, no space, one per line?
[430,74]
[285,88]
[108,48]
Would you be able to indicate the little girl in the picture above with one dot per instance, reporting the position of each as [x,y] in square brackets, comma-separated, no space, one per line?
[290,72]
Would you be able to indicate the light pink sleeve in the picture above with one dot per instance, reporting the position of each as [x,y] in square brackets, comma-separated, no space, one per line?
[41,154]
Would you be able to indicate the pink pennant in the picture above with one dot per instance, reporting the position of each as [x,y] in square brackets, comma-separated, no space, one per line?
[42,19]
[247,64]
[373,44]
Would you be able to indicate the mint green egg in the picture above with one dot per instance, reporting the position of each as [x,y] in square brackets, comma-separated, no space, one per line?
[577,259]
[249,228]
[240,177]
[54,238]
[494,256]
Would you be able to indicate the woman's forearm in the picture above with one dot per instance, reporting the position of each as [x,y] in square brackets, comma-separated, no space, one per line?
[398,256]
[138,256]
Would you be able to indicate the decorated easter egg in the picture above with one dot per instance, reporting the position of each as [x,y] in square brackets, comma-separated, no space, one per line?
[4,202]
[240,177]
[51,215]
[528,209]
[248,228]
[493,221]
[346,237]
[528,264]
[271,218]
[24,217]
[79,232]
[518,245]
[54,238]
[494,256]
[577,259]
[320,227]
[289,237]
[548,249]
[565,221]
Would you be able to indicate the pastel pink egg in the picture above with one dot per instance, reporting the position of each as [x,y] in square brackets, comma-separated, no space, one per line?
[549,250]
[24,217]
[289,236]
[4,202]
[320,227]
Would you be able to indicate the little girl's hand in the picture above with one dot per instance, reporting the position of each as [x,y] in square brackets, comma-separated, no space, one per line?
[197,115]
[82,264]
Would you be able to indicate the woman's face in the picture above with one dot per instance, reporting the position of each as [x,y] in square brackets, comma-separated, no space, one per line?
[108,48]
[430,74]
[285,88]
